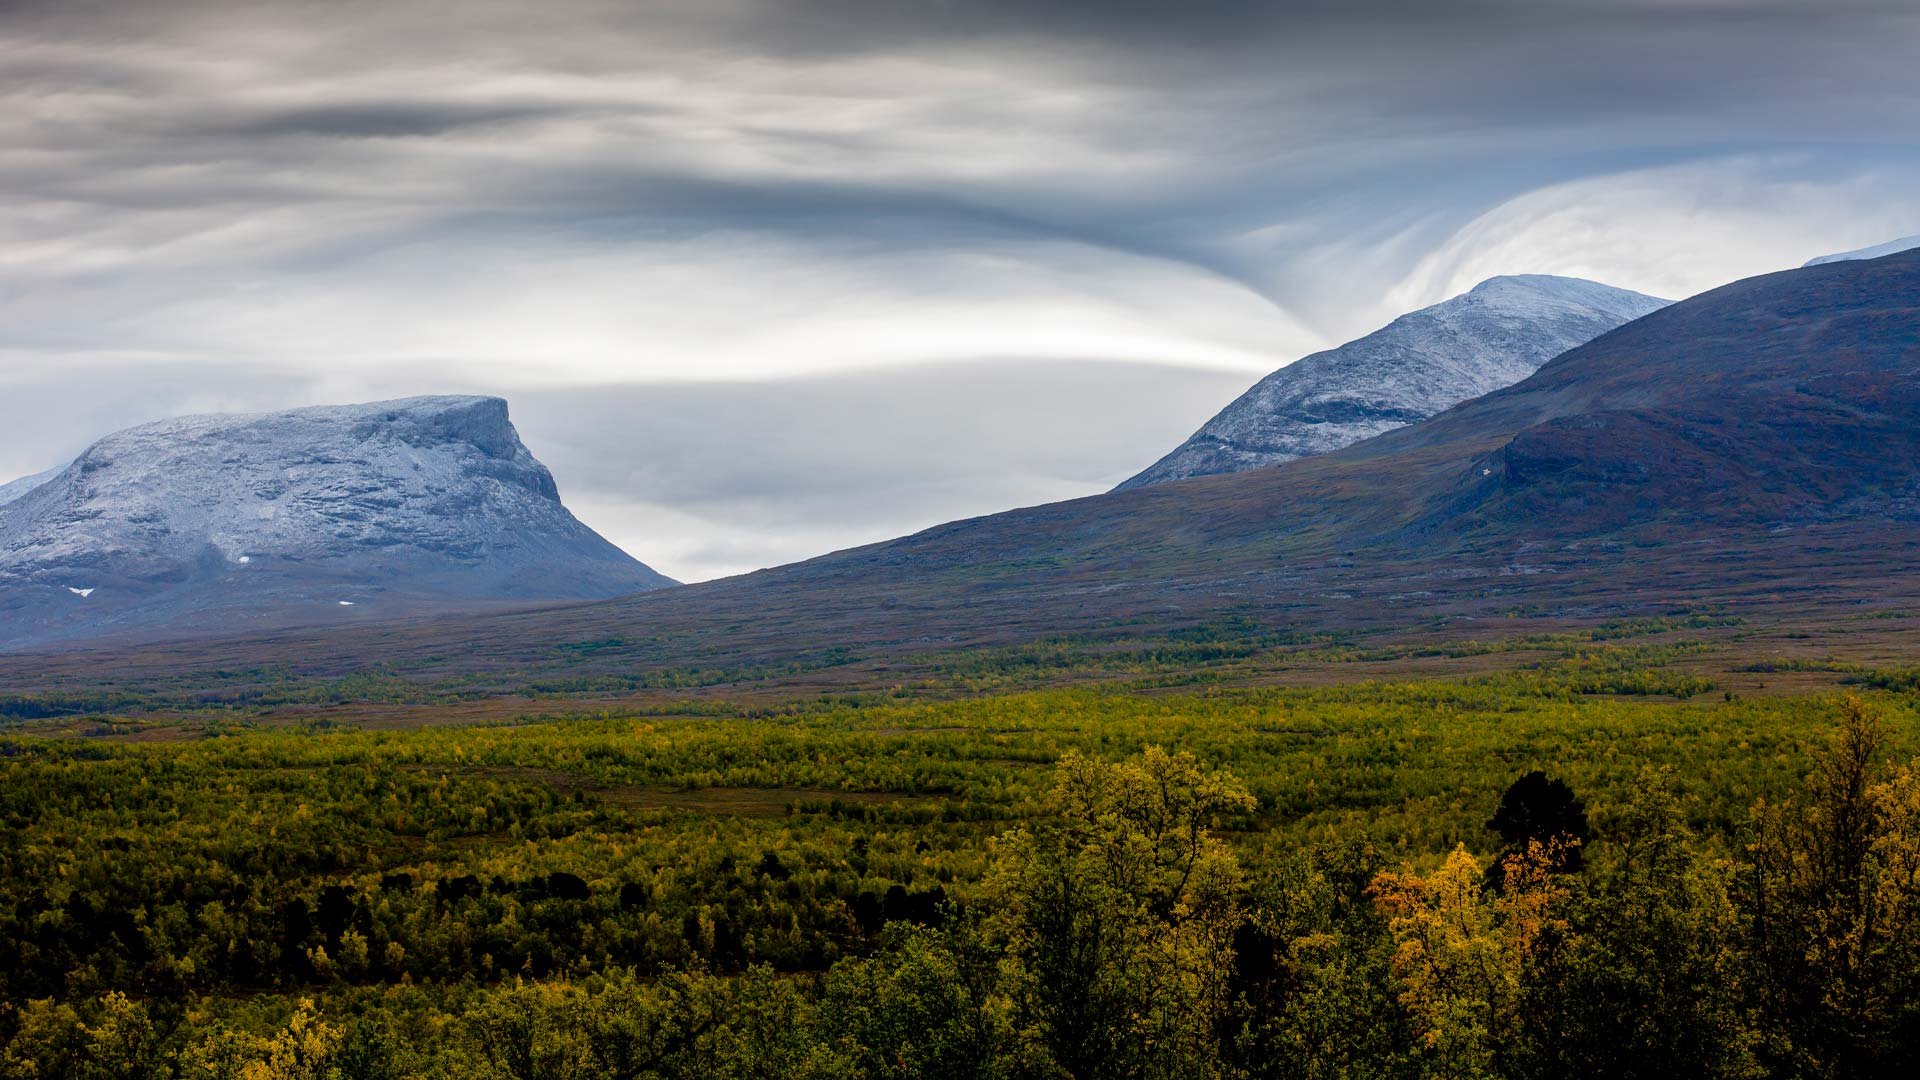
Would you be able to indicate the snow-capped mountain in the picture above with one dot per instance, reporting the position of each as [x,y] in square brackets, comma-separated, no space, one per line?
[1891,247]
[14,490]
[392,507]
[1421,364]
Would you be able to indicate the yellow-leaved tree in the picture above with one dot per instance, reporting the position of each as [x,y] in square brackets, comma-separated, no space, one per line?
[1831,891]
[1119,909]
[300,1050]
[1462,949]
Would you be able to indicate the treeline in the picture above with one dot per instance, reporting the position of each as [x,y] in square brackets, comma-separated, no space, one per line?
[1117,933]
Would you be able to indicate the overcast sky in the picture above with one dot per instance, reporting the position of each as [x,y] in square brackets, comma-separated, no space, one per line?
[764,278]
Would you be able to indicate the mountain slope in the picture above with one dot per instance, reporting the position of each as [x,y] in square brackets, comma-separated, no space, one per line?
[15,490]
[1755,449]
[1891,247]
[392,507]
[1418,365]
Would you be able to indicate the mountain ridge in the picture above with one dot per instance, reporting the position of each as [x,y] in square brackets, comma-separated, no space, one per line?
[1754,450]
[1421,363]
[1891,247]
[15,490]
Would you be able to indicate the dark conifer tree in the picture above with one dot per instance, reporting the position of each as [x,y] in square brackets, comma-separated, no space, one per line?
[1538,808]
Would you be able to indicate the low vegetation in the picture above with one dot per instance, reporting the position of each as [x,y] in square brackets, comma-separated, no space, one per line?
[1585,866]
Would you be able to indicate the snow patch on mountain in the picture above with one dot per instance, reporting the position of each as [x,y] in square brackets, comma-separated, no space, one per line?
[15,490]
[1891,247]
[1421,364]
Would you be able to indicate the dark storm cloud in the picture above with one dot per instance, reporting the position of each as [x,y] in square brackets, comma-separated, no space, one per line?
[229,204]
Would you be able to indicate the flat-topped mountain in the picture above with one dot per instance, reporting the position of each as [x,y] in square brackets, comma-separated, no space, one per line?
[1418,365]
[393,507]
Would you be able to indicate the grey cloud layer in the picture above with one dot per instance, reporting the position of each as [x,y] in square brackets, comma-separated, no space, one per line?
[269,204]
[1129,122]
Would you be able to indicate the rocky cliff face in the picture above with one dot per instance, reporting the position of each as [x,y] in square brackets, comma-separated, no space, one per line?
[423,503]
[1421,364]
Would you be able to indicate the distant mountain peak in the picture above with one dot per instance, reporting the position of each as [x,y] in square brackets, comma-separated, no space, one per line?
[1538,282]
[1492,336]
[1891,247]
[422,503]
[1571,289]
[15,490]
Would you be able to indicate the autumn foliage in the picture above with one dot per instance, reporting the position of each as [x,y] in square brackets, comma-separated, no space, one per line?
[495,903]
